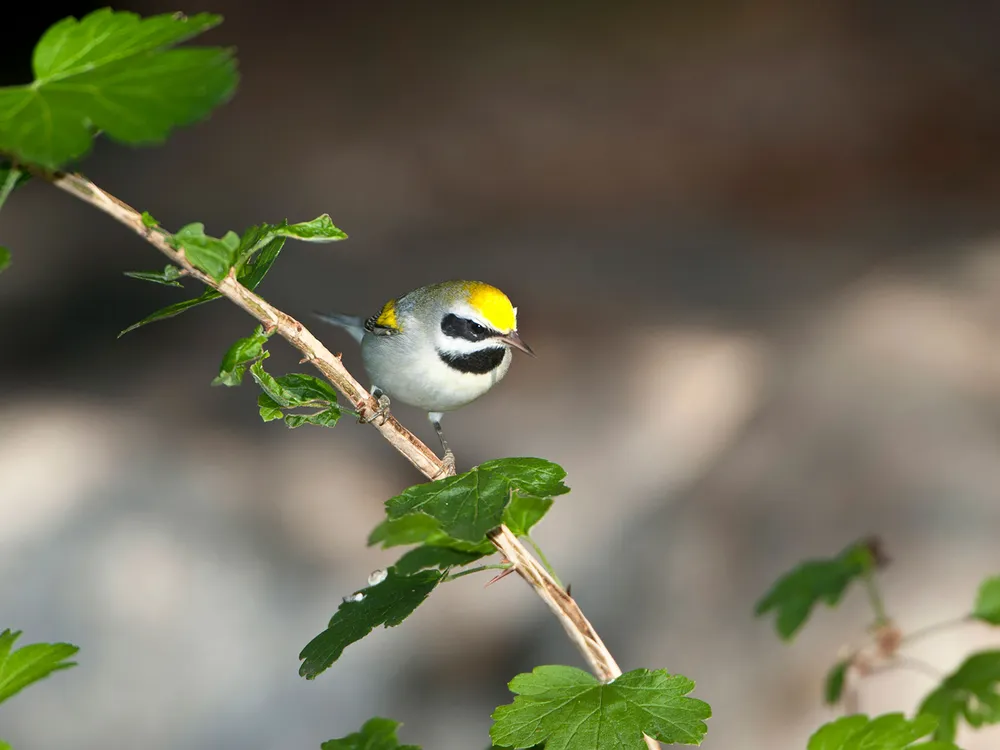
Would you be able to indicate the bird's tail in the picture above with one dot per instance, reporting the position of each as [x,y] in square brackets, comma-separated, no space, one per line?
[353,324]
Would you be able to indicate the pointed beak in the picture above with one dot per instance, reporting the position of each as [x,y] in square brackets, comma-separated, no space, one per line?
[514,339]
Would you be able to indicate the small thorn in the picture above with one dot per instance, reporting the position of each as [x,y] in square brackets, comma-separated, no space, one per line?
[569,586]
[500,575]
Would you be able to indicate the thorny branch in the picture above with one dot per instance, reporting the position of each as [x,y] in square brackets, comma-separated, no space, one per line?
[576,625]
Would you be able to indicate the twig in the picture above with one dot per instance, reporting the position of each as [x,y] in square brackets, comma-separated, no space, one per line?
[562,605]
[543,558]
[906,662]
[935,628]
[579,630]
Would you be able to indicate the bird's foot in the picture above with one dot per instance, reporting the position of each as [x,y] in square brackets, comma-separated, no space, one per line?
[447,465]
[381,412]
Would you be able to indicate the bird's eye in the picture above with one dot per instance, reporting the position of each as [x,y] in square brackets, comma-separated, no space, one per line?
[463,328]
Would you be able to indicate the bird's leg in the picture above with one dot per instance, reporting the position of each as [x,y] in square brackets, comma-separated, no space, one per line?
[449,458]
[383,407]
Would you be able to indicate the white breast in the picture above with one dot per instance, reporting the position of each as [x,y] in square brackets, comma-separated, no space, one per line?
[411,371]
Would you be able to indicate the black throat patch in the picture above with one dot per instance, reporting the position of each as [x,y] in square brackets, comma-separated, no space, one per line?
[476,363]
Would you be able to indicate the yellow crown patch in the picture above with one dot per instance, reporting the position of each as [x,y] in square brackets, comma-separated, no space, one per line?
[387,318]
[493,305]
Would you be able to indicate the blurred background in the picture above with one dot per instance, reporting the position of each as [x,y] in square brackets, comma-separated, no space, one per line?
[756,246]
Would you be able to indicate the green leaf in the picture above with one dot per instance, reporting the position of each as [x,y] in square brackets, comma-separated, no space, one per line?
[886,732]
[269,411]
[292,391]
[834,686]
[70,47]
[259,248]
[175,309]
[376,734]
[387,603]
[419,527]
[525,511]
[30,663]
[320,229]
[412,529]
[324,418]
[113,72]
[4,745]
[168,276]
[148,221]
[797,592]
[4,258]
[470,504]
[234,363]
[972,691]
[428,556]
[987,606]
[253,269]
[212,255]
[565,707]
[834,734]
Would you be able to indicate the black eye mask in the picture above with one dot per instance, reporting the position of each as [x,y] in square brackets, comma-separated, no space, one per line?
[463,328]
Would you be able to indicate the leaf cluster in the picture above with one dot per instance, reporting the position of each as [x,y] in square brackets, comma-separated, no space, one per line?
[447,520]
[971,692]
[796,593]
[250,256]
[559,707]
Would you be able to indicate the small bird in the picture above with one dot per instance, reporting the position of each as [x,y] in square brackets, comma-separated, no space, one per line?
[438,347]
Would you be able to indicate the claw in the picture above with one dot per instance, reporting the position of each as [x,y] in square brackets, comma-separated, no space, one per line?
[382,411]
[448,460]
[447,467]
